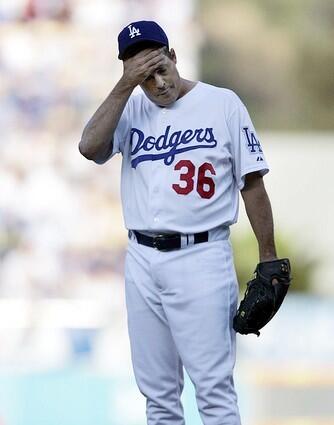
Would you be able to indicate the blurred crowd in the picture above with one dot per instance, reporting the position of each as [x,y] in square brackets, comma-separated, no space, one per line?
[60,219]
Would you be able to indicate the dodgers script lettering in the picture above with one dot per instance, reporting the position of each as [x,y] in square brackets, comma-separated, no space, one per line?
[169,144]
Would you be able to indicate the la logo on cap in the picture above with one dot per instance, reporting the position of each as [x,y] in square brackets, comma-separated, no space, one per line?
[133,31]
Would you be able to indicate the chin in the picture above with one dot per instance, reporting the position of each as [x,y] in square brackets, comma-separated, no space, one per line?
[165,102]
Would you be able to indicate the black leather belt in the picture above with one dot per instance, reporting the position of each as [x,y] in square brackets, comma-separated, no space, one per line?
[167,242]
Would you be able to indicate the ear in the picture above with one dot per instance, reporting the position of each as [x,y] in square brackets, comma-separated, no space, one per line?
[173,55]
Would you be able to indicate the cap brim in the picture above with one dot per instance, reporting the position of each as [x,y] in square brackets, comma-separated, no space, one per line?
[138,45]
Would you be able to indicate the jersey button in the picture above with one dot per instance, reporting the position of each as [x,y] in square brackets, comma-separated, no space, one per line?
[156,219]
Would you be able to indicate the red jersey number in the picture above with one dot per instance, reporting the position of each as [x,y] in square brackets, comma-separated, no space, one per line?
[205,184]
[187,177]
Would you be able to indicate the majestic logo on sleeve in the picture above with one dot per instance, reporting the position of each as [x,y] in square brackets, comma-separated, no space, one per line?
[169,144]
[133,31]
[253,144]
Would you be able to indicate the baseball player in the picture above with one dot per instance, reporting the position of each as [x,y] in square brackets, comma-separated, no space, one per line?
[188,148]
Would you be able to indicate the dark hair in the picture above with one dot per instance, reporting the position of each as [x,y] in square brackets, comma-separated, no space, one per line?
[133,50]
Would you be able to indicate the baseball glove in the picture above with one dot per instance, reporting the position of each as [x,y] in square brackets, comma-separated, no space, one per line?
[263,298]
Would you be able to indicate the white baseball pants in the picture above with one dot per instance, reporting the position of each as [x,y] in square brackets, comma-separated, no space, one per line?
[180,306]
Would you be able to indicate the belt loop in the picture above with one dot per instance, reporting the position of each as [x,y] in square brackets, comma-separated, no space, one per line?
[191,239]
[132,235]
[184,241]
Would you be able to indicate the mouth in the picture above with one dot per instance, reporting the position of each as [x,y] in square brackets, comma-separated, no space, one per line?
[162,93]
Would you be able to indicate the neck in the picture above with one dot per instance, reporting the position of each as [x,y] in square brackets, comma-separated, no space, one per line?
[185,86]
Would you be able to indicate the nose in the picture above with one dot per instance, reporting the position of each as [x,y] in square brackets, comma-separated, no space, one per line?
[159,81]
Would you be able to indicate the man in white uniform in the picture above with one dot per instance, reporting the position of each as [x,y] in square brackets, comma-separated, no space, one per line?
[188,149]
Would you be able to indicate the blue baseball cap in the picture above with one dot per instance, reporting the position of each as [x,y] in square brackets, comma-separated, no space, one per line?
[140,32]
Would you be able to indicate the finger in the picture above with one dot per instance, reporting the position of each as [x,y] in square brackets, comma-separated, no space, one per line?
[156,62]
[140,56]
[153,69]
[148,63]
[153,50]
[150,66]
[149,53]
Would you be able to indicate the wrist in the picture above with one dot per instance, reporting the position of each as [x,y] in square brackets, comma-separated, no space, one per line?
[267,256]
[267,250]
[125,86]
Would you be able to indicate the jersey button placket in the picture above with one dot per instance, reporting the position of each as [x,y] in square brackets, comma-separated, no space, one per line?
[157,172]
[155,195]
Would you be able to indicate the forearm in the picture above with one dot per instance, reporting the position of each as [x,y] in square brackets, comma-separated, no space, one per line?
[97,137]
[259,212]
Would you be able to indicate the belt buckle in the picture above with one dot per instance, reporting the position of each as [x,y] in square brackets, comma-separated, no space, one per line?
[156,242]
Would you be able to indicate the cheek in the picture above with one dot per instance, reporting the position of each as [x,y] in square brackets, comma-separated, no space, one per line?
[147,87]
[174,78]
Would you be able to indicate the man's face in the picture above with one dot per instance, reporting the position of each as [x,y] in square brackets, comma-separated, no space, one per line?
[163,86]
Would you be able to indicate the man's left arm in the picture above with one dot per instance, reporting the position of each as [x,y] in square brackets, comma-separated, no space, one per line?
[259,212]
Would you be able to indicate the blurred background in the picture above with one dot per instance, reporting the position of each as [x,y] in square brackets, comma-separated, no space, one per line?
[64,352]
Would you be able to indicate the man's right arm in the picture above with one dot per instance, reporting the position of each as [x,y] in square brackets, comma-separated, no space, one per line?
[97,138]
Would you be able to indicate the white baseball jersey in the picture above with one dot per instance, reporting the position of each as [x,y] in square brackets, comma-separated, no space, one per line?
[184,164]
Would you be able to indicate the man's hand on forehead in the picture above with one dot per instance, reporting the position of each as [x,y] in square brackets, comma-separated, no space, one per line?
[144,63]
[149,53]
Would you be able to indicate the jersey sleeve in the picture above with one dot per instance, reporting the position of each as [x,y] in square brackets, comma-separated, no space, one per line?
[247,152]
[122,129]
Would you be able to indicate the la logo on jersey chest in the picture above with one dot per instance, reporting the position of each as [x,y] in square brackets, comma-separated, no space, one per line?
[169,144]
